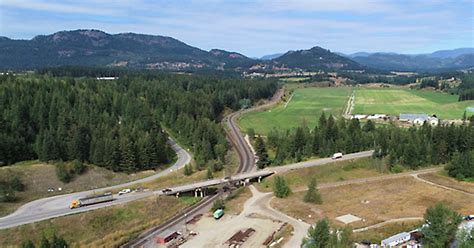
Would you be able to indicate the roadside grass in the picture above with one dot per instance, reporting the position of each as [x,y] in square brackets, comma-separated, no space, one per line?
[189,200]
[376,235]
[396,101]
[305,107]
[106,227]
[235,202]
[443,179]
[334,172]
[374,202]
[38,177]
[177,177]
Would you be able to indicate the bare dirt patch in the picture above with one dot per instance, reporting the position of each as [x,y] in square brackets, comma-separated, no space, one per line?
[228,226]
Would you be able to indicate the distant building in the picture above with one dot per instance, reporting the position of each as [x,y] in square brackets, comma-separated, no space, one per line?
[107,78]
[359,117]
[418,119]
[376,116]
[396,240]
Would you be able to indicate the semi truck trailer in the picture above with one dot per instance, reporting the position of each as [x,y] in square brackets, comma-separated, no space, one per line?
[91,200]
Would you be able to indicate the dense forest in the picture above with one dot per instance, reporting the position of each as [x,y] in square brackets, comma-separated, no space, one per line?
[466,88]
[364,78]
[412,147]
[118,124]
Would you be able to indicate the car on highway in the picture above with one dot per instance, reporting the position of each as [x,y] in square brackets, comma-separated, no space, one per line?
[124,191]
[336,155]
[167,190]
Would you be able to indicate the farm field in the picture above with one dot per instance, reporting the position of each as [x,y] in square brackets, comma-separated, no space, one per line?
[396,101]
[305,106]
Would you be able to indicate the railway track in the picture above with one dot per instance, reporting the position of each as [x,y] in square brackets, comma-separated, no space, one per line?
[247,164]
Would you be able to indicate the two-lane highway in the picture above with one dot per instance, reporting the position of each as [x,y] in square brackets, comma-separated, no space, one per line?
[56,206]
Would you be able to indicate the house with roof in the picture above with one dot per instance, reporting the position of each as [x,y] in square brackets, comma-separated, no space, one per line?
[418,119]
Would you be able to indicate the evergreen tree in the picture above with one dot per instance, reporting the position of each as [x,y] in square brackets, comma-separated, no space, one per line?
[312,195]
[78,166]
[188,170]
[28,244]
[280,188]
[442,226]
[209,173]
[261,152]
[58,242]
[45,243]
[318,236]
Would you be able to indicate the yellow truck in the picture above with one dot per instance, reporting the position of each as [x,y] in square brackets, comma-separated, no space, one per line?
[91,200]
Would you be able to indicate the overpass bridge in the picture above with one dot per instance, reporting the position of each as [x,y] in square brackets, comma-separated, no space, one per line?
[199,188]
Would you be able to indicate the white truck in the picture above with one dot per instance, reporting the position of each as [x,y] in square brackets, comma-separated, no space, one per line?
[336,155]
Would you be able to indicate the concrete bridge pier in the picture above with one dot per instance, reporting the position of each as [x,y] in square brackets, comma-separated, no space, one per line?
[259,179]
[177,195]
[200,192]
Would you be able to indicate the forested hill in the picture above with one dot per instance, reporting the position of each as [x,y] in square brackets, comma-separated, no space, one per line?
[316,58]
[97,48]
[94,48]
[118,124]
[421,63]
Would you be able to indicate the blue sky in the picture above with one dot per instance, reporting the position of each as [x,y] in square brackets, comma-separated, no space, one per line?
[258,27]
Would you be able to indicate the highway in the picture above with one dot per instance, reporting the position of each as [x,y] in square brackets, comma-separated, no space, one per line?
[56,206]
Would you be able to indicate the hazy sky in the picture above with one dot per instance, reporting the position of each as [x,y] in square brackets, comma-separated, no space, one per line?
[259,27]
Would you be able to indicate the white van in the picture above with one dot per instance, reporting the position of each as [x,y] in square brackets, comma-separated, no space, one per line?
[336,155]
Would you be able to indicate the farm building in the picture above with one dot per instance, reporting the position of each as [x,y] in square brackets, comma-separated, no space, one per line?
[376,116]
[359,117]
[418,119]
[396,240]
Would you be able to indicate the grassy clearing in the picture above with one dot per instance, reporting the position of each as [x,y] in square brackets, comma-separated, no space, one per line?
[442,179]
[38,177]
[106,227]
[396,101]
[294,79]
[334,172]
[375,201]
[305,106]
[376,235]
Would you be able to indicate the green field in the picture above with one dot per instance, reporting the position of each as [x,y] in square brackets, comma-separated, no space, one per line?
[396,101]
[305,106]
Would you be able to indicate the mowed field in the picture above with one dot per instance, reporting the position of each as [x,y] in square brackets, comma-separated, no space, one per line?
[305,106]
[396,101]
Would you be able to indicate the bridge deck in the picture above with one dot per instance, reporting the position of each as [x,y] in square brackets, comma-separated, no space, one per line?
[214,182]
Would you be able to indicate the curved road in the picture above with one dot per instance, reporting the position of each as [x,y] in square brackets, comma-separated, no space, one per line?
[56,206]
